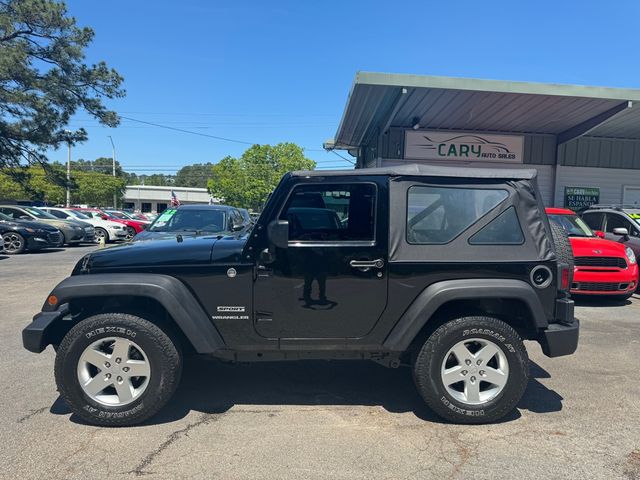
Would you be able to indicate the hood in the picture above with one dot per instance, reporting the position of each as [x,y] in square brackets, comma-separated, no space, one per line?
[59,223]
[165,252]
[596,247]
[150,235]
[29,224]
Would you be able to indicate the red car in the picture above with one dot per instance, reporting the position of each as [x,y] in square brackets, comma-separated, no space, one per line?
[602,267]
[133,226]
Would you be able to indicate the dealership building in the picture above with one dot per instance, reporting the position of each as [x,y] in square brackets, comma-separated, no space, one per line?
[153,199]
[583,141]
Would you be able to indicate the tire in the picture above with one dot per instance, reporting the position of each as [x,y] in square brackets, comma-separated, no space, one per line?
[14,243]
[436,357]
[131,232]
[149,351]
[564,252]
[101,233]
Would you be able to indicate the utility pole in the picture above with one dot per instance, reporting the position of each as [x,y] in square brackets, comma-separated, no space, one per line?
[69,133]
[113,160]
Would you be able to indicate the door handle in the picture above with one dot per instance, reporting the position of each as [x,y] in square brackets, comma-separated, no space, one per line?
[379,263]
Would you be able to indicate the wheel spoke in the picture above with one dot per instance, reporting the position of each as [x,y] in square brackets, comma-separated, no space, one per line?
[121,349]
[124,390]
[95,358]
[137,368]
[495,377]
[472,391]
[486,353]
[97,384]
[452,375]
[461,352]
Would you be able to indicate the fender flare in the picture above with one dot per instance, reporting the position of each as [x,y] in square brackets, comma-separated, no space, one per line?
[437,294]
[170,292]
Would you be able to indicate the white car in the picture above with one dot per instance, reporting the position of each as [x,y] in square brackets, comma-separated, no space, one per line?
[107,229]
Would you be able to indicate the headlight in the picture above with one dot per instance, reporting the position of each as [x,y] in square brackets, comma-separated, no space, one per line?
[630,255]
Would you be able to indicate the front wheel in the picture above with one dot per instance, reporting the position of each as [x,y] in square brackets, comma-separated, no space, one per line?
[101,233]
[131,232]
[472,370]
[116,369]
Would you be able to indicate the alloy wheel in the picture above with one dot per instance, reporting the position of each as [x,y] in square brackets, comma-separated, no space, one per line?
[113,371]
[13,242]
[475,371]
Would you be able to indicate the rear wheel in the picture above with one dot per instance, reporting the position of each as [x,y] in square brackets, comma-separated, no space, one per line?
[14,243]
[472,370]
[117,369]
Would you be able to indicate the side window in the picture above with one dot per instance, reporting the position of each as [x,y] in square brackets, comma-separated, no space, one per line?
[11,212]
[594,220]
[331,213]
[57,213]
[617,221]
[440,214]
[502,230]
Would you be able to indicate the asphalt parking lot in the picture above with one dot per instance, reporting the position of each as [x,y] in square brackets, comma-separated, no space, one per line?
[579,418]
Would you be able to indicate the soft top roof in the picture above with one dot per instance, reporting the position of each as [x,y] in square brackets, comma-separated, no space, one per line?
[415,169]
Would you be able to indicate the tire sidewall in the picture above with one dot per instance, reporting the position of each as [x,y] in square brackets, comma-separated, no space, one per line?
[104,327]
[512,348]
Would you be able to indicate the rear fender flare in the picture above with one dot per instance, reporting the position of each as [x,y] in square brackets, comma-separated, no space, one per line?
[440,293]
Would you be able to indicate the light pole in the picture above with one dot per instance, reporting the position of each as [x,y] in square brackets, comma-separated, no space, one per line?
[69,133]
[113,160]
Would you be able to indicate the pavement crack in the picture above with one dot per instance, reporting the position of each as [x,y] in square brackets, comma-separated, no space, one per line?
[142,468]
[32,413]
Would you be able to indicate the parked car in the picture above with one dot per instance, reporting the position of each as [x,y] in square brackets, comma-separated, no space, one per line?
[619,223]
[22,236]
[126,216]
[132,226]
[108,230]
[602,267]
[73,232]
[453,290]
[194,220]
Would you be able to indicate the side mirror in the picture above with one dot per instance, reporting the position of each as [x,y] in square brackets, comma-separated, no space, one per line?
[278,233]
[621,231]
[599,233]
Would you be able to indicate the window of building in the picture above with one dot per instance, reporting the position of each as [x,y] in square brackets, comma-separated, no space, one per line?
[128,205]
[161,207]
[440,214]
[145,207]
[502,230]
[330,213]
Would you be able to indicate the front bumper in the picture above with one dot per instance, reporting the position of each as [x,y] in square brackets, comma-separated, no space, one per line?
[45,325]
[604,281]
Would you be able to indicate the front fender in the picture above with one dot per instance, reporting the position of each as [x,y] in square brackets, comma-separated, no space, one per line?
[170,292]
[437,294]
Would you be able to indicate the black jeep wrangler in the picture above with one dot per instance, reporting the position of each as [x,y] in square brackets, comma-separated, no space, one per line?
[446,270]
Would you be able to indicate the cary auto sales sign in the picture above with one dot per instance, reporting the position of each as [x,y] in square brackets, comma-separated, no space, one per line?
[447,146]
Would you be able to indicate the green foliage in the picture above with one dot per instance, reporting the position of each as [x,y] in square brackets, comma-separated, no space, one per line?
[247,181]
[157,179]
[44,80]
[48,185]
[195,175]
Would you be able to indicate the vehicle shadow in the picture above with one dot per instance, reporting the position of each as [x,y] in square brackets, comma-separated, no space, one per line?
[45,250]
[601,302]
[213,387]
[4,257]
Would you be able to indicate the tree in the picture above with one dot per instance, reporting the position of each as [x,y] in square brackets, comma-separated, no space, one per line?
[195,175]
[100,165]
[247,181]
[156,179]
[44,80]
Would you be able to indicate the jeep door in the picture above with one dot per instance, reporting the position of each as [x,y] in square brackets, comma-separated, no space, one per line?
[331,280]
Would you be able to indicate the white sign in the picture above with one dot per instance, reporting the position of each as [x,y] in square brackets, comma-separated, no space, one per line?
[430,145]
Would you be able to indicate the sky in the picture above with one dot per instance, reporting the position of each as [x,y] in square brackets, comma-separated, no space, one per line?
[280,71]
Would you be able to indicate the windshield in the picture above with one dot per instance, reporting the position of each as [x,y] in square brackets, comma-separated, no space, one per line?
[75,213]
[36,212]
[573,225]
[190,220]
[117,214]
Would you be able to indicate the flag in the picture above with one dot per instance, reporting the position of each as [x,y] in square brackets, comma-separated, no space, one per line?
[174,199]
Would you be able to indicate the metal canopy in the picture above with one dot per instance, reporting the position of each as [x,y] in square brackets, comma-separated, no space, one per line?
[378,101]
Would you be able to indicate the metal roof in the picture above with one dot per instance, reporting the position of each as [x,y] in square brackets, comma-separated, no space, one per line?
[378,101]
[422,170]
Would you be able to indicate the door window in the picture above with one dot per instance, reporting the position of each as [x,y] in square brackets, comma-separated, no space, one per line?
[331,213]
[13,213]
[618,221]
[594,220]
